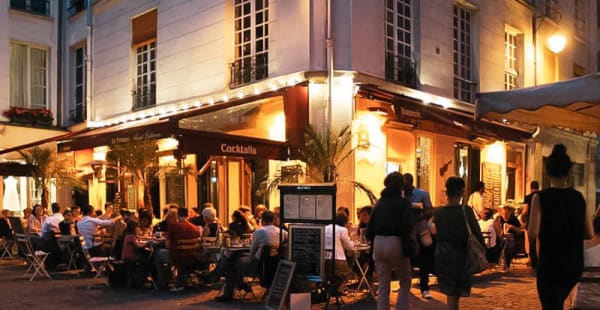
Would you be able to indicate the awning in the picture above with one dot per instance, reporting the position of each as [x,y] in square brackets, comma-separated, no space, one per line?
[15,169]
[15,137]
[573,104]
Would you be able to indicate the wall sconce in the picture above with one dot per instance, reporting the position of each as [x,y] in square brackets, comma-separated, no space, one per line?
[556,43]
[378,110]
[98,168]
[363,137]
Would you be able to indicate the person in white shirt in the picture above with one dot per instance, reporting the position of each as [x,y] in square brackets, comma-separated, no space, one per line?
[475,200]
[50,224]
[343,242]
[88,228]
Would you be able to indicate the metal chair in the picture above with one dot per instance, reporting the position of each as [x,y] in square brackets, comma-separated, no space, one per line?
[35,259]
[100,264]
[5,247]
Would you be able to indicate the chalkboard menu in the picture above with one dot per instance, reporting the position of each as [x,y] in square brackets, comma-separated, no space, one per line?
[306,249]
[280,285]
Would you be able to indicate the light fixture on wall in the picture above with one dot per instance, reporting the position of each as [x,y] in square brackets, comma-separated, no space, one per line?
[379,110]
[363,137]
[556,43]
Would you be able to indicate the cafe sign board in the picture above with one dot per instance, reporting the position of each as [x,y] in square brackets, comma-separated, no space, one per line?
[307,203]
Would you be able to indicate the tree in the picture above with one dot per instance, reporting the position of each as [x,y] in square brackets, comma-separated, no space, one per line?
[48,165]
[323,152]
[139,158]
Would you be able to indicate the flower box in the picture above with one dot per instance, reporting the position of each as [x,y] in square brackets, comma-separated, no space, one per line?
[26,116]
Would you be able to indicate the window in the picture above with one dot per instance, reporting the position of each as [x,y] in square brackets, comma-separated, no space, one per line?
[511,58]
[399,65]
[580,20]
[463,67]
[551,10]
[28,76]
[41,7]
[144,44]
[251,32]
[77,113]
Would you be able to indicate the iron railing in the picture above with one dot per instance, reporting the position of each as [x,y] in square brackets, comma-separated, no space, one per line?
[143,99]
[401,70]
[248,70]
[40,7]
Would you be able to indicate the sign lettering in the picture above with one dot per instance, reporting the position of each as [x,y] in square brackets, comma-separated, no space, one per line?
[238,149]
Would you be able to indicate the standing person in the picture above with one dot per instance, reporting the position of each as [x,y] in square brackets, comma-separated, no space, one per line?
[421,212]
[451,241]
[388,231]
[475,200]
[534,187]
[559,222]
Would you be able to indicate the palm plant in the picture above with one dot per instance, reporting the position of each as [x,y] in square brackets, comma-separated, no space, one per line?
[48,165]
[139,158]
[323,152]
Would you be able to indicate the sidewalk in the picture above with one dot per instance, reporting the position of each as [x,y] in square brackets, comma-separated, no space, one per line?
[512,290]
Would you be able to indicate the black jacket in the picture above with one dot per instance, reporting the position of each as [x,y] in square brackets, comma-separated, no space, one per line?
[390,217]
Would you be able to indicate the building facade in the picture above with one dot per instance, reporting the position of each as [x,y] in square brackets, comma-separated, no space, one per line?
[226,88]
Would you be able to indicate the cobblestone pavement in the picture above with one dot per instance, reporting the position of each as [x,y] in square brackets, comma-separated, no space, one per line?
[494,290]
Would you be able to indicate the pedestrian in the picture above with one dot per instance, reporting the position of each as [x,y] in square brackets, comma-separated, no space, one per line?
[559,222]
[421,212]
[449,226]
[475,200]
[388,231]
[534,187]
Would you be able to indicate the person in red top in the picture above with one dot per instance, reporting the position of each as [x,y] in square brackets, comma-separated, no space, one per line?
[180,230]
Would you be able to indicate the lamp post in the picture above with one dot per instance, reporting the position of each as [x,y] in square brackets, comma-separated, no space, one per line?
[556,43]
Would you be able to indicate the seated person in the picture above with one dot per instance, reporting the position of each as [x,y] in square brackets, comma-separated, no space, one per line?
[67,226]
[88,228]
[35,220]
[247,263]
[145,221]
[47,241]
[239,225]
[212,224]
[180,230]
[131,243]
[342,243]
[587,294]
[196,217]
[170,216]
[6,233]
[513,235]
[365,258]
[486,224]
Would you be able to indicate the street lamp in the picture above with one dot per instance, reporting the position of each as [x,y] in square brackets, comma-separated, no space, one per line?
[556,43]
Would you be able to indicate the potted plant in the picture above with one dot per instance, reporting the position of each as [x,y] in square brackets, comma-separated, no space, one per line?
[42,117]
[19,115]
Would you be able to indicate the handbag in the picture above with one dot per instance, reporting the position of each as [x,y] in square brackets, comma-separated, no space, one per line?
[425,235]
[476,261]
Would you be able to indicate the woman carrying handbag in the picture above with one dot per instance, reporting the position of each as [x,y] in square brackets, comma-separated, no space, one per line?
[452,235]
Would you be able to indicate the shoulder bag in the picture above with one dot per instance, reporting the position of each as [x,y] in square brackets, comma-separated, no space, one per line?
[476,261]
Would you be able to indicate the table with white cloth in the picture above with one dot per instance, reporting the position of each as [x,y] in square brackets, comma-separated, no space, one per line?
[363,281]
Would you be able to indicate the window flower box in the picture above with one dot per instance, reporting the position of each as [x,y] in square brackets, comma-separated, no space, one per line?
[26,116]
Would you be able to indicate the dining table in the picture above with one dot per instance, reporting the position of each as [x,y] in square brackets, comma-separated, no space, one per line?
[363,269]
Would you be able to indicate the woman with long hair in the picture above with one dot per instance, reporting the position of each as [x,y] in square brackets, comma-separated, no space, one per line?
[559,222]
[388,231]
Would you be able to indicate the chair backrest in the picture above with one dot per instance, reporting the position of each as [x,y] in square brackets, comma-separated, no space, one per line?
[487,236]
[209,241]
[24,245]
[269,258]
[190,245]
[80,243]
[16,224]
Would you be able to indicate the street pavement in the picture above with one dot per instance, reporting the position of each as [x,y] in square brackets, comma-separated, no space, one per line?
[514,289]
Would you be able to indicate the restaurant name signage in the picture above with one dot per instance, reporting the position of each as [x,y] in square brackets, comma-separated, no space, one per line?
[137,137]
[410,113]
[238,149]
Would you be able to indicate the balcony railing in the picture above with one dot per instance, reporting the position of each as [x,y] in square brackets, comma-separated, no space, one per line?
[143,99]
[76,6]
[40,7]
[77,115]
[464,90]
[401,70]
[248,70]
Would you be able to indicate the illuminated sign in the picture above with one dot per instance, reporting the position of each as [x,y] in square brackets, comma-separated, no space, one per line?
[238,149]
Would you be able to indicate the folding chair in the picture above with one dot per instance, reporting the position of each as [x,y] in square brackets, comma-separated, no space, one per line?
[5,247]
[35,259]
[101,264]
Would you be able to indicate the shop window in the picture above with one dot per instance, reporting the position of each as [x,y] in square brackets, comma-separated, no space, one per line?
[77,113]
[175,187]
[28,76]
[424,151]
[251,46]
[144,44]
[41,7]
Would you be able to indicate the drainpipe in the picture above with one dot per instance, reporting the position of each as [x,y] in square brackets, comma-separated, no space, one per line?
[88,62]
[329,41]
[59,61]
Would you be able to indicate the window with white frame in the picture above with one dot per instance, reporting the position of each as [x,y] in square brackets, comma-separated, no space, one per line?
[144,45]
[463,62]
[511,59]
[251,35]
[580,20]
[77,112]
[28,76]
[398,42]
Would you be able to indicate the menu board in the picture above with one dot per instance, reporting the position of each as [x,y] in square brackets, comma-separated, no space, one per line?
[306,249]
[307,203]
[280,285]
[492,177]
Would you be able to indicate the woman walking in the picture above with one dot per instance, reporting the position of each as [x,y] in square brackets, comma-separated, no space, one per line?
[449,225]
[559,221]
[388,231]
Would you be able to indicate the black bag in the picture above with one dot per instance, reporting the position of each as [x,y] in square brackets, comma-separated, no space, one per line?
[476,260]
[410,244]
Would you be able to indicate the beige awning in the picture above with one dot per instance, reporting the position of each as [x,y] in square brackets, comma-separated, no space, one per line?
[573,104]
[14,137]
